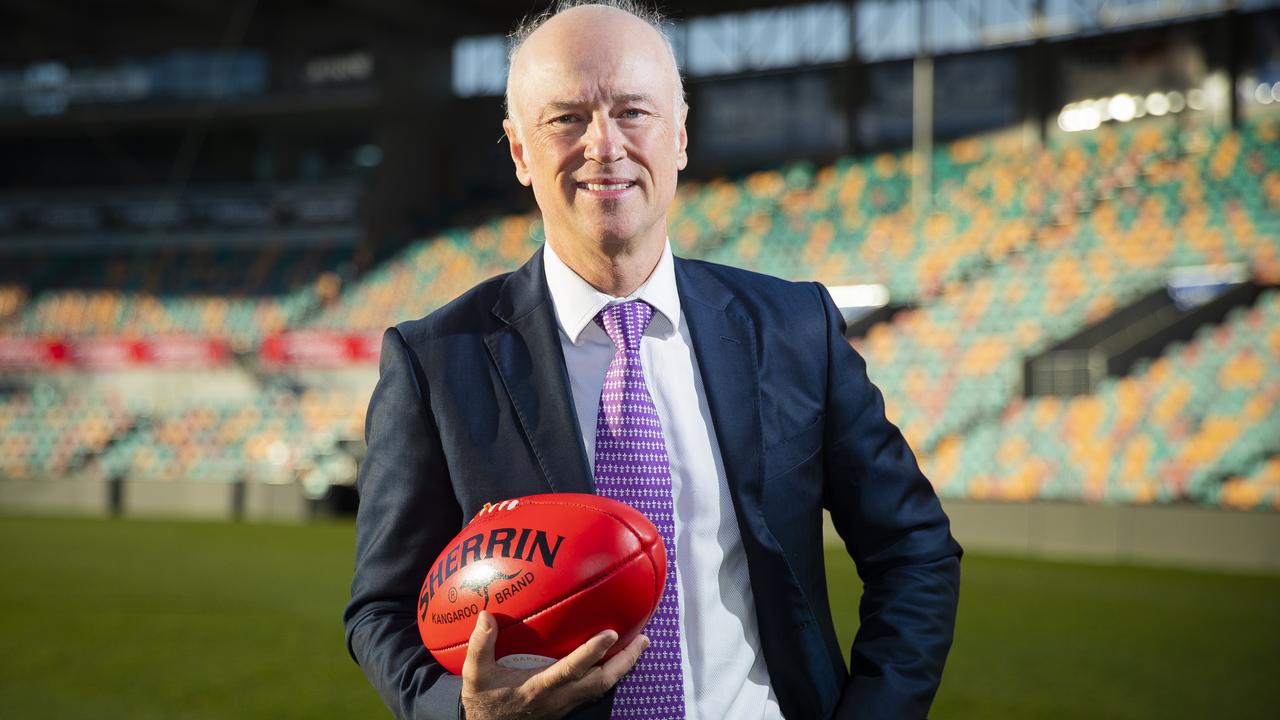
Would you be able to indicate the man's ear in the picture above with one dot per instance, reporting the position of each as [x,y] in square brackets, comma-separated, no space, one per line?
[682,139]
[517,152]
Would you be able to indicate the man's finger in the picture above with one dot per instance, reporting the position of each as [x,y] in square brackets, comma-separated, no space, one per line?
[615,667]
[479,660]
[578,663]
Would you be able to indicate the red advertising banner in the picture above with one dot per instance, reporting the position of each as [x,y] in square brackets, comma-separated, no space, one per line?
[183,351]
[31,353]
[298,348]
[321,348]
[106,353]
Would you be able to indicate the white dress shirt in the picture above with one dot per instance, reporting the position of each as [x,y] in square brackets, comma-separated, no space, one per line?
[724,671]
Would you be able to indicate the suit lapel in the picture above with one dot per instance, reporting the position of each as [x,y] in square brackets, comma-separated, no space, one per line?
[529,359]
[725,339]
[724,342]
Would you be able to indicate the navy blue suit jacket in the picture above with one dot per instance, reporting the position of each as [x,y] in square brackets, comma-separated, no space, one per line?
[473,406]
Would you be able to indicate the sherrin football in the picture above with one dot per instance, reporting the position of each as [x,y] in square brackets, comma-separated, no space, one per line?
[552,569]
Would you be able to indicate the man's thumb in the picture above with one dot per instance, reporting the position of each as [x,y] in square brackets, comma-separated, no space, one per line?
[484,637]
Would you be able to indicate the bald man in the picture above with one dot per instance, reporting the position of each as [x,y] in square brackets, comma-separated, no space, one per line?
[764,415]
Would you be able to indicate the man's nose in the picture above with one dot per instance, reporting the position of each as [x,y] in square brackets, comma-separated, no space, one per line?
[604,139]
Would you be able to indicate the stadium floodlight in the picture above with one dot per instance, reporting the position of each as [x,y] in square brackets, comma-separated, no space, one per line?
[1089,115]
[1195,99]
[1083,115]
[1262,94]
[1177,102]
[1157,104]
[1121,107]
[1102,106]
[859,296]
[1275,91]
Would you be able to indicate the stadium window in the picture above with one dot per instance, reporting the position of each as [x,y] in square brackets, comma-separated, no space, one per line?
[951,25]
[480,66]
[725,44]
[1062,17]
[892,30]
[888,29]
[709,48]
[1005,21]
[771,39]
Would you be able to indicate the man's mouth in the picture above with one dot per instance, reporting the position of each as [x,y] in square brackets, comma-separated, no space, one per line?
[610,186]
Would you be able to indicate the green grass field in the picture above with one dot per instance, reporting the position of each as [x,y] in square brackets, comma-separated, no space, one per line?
[131,619]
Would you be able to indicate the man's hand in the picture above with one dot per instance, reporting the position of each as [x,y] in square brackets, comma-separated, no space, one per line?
[492,692]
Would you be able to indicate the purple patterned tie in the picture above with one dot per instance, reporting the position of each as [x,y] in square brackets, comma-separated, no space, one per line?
[632,466]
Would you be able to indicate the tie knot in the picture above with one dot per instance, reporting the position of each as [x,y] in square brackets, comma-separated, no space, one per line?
[624,323]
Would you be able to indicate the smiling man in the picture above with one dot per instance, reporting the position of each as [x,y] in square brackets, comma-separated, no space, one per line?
[753,412]
[597,129]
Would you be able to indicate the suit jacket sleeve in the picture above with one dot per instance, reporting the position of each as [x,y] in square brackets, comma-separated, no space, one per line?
[407,514]
[894,528]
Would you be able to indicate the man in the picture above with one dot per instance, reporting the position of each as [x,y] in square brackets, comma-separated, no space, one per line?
[764,416]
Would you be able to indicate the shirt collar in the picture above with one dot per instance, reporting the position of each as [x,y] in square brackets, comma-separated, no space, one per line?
[576,302]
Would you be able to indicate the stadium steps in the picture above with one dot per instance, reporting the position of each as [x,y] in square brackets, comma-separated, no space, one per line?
[1114,344]
[1178,429]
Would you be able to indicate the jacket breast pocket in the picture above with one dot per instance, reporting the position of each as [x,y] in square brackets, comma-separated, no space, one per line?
[794,450]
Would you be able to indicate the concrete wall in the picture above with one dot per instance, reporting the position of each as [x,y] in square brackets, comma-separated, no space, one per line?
[276,502]
[157,499]
[1145,534]
[55,496]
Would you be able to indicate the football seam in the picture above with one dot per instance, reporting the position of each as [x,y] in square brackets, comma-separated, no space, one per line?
[660,586]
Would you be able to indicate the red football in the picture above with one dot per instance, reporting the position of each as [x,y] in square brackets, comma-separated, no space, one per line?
[553,569]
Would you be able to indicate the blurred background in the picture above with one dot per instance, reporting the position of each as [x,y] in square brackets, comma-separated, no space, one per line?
[1053,227]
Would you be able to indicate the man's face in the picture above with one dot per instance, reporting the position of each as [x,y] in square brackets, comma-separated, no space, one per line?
[597,129]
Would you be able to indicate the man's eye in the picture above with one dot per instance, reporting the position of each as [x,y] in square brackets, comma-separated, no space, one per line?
[632,113]
[564,119]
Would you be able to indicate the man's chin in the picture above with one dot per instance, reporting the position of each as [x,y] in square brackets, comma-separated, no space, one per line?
[611,235]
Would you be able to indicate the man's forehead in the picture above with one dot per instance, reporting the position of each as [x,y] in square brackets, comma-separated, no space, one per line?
[610,67]
[570,102]
[554,84]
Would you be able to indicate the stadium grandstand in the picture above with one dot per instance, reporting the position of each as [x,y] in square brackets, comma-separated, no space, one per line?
[1054,228]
